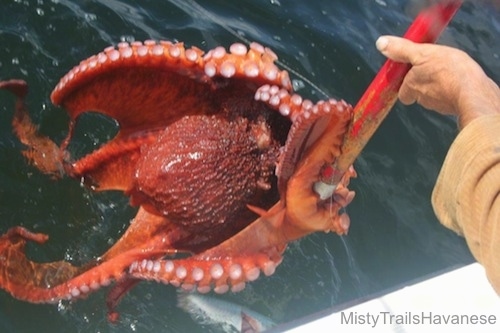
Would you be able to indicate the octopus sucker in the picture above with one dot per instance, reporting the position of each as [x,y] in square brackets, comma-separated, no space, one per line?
[205,273]
[214,148]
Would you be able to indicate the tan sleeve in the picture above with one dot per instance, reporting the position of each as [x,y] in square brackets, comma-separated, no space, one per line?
[466,197]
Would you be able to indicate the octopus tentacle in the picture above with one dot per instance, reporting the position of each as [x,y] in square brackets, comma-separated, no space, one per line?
[247,62]
[314,140]
[309,122]
[119,290]
[41,152]
[51,282]
[59,280]
[305,209]
[35,282]
[205,274]
[165,58]
[227,266]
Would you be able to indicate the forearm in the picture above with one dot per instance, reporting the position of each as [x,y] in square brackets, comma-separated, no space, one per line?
[466,197]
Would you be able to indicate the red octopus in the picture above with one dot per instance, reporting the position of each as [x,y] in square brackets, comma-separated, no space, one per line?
[215,149]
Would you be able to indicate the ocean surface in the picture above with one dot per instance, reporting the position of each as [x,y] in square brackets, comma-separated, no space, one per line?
[329,49]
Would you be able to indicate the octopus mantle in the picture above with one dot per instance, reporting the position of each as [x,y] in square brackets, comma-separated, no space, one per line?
[215,149]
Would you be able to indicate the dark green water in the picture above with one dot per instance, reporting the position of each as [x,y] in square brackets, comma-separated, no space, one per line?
[394,236]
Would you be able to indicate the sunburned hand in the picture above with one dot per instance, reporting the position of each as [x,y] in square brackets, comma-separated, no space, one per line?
[443,79]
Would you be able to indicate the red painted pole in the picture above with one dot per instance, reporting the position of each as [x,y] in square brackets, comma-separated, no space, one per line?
[382,93]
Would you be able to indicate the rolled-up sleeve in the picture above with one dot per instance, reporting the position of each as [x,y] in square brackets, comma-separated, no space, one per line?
[466,197]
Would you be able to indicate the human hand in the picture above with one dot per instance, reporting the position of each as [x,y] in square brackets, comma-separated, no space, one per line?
[443,79]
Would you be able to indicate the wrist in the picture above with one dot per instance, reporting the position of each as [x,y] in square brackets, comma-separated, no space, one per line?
[481,100]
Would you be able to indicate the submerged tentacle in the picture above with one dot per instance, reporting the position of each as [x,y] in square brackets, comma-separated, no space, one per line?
[50,282]
[39,282]
[40,151]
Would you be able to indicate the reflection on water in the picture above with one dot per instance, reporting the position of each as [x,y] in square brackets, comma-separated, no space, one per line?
[329,46]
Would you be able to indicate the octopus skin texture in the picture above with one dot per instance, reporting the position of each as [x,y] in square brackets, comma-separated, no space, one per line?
[215,150]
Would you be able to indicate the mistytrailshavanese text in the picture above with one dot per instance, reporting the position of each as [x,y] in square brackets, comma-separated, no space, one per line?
[415,318]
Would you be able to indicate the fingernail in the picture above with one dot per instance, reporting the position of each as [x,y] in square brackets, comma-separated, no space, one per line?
[382,43]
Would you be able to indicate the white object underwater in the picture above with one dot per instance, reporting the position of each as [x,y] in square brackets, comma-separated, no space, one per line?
[230,317]
[461,299]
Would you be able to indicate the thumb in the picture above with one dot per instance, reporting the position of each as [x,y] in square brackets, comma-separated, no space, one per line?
[397,48]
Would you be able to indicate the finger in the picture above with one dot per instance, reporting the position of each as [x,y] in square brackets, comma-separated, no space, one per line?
[407,95]
[398,49]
